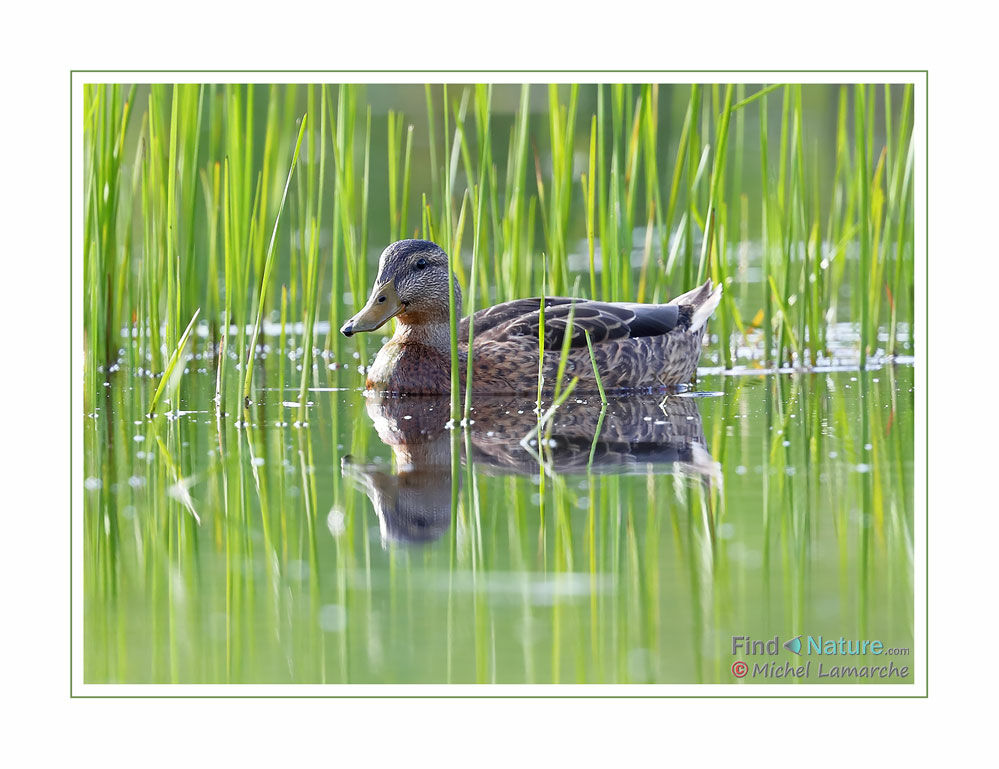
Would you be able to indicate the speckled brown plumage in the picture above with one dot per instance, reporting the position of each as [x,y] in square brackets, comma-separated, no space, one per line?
[636,346]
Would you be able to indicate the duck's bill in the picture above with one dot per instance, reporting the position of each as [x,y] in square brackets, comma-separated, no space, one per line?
[382,304]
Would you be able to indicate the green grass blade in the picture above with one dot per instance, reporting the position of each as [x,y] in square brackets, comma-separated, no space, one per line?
[268,266]
[172,375]
[596,372]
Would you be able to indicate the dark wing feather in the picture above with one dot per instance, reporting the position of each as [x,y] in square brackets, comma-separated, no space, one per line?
[604,321]
[492,319]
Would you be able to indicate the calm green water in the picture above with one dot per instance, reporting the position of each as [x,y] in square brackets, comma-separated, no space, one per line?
[375,545]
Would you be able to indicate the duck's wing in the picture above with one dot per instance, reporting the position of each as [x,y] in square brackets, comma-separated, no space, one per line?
[493,319]
[604,321]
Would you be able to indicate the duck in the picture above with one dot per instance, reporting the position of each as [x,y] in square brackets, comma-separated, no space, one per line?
[636,347]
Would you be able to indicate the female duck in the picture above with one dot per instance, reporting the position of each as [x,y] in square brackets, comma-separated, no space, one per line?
[636,346]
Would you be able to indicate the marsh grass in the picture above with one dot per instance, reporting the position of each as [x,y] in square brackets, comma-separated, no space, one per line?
[551,194]
[596,370]
[315,209]
[170,380]
[265,273]
[636,191]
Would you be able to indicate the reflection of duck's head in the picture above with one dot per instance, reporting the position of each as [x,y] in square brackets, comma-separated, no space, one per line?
[413,505]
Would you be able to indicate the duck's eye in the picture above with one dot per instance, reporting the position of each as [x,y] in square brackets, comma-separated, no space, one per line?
[421,264]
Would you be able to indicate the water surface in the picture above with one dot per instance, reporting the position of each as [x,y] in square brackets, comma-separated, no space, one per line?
[374,543]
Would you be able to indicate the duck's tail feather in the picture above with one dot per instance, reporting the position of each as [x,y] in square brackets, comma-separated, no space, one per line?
[704,300]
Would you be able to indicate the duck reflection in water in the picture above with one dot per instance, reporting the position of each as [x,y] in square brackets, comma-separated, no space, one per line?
[637,435]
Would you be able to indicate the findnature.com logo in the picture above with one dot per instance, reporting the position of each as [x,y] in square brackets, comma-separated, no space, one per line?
[820,647]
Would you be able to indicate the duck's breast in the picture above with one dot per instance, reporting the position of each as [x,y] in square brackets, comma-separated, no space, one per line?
[410,368]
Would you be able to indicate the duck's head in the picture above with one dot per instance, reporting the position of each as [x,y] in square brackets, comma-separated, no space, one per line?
[412,282]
